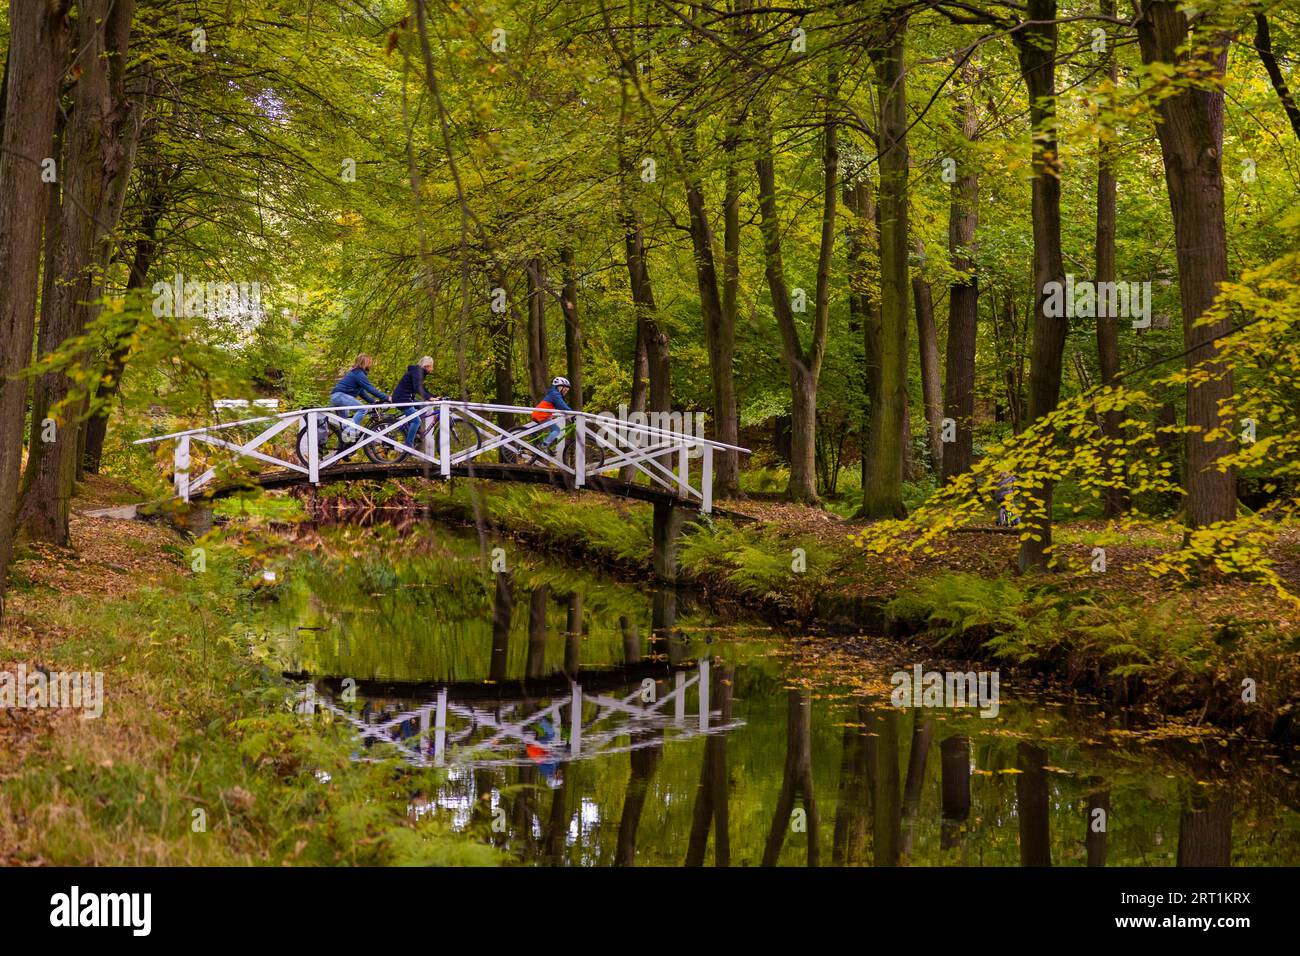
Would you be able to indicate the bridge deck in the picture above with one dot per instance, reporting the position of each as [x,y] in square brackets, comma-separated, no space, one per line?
[354,471]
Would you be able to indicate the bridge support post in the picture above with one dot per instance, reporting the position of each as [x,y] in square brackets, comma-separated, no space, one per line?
[194,518]
[444,439]
[313,449]
[181,464]
[668,521]
[706,481]
[580,453]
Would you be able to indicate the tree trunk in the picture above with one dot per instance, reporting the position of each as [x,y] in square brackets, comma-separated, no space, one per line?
[864,305]
[1191,143]
[927,339]
[35,62]
[1114,501]
[718,309]
[649,335]
[572,328]
[1264,47]
[1037,48]
[502,332]
[539,361]
[963,306]
[726,478]
[99,150]
[110,379]
[802,366]
[882,491]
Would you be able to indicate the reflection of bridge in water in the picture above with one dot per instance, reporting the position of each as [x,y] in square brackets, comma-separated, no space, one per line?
[541,723]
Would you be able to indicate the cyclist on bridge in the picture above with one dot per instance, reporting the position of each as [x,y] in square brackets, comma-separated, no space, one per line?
[411,389]
[354,388]
[553,399]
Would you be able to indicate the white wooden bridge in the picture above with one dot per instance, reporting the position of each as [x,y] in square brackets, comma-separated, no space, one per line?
[454,438]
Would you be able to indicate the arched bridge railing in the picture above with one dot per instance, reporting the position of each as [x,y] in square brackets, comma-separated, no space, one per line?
[453,435]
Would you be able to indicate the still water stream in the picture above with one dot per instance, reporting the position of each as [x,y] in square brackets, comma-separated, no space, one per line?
[584,722]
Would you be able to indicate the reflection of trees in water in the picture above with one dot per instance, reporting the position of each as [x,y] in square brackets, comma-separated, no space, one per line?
[917,754]
[849,840]
[1095,838]
[537,600]
[631,640]
[886,805]
[713,796]
[503,606]
[880,814]
[954,787]
[573,635]
[797,780]
[1031,806]
[644,762]
[1205,831]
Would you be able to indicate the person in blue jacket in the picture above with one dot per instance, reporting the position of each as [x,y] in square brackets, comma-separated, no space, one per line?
[553,400]
[411,389]
[355,388]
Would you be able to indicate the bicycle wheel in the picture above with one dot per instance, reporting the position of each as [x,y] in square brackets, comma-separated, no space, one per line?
[328,441]
[382,453]
[464,436]
[593,454]
[514,454]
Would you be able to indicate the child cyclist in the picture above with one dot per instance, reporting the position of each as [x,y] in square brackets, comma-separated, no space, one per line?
[553,400]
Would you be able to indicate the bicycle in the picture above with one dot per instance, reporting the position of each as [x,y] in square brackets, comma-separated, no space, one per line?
[330,437]
[1004,517]
[593,451]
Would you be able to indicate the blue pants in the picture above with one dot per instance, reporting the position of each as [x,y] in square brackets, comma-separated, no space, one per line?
[338,399]
[412,428]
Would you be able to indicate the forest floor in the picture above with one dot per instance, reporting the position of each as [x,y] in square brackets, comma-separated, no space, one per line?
[198,757]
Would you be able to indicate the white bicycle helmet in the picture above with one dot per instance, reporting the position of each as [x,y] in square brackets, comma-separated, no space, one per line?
[560,380]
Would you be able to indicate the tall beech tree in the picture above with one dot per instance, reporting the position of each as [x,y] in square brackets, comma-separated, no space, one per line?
[882,488]
[963,294]
[37,57]
[803,364]
[1036,43]
[927,343]
[1113,498]
[98,153]
[718,299]
[1190,129]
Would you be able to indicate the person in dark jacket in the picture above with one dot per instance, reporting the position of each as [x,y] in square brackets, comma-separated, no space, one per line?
[553,399]
[411,389]
[355,388]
